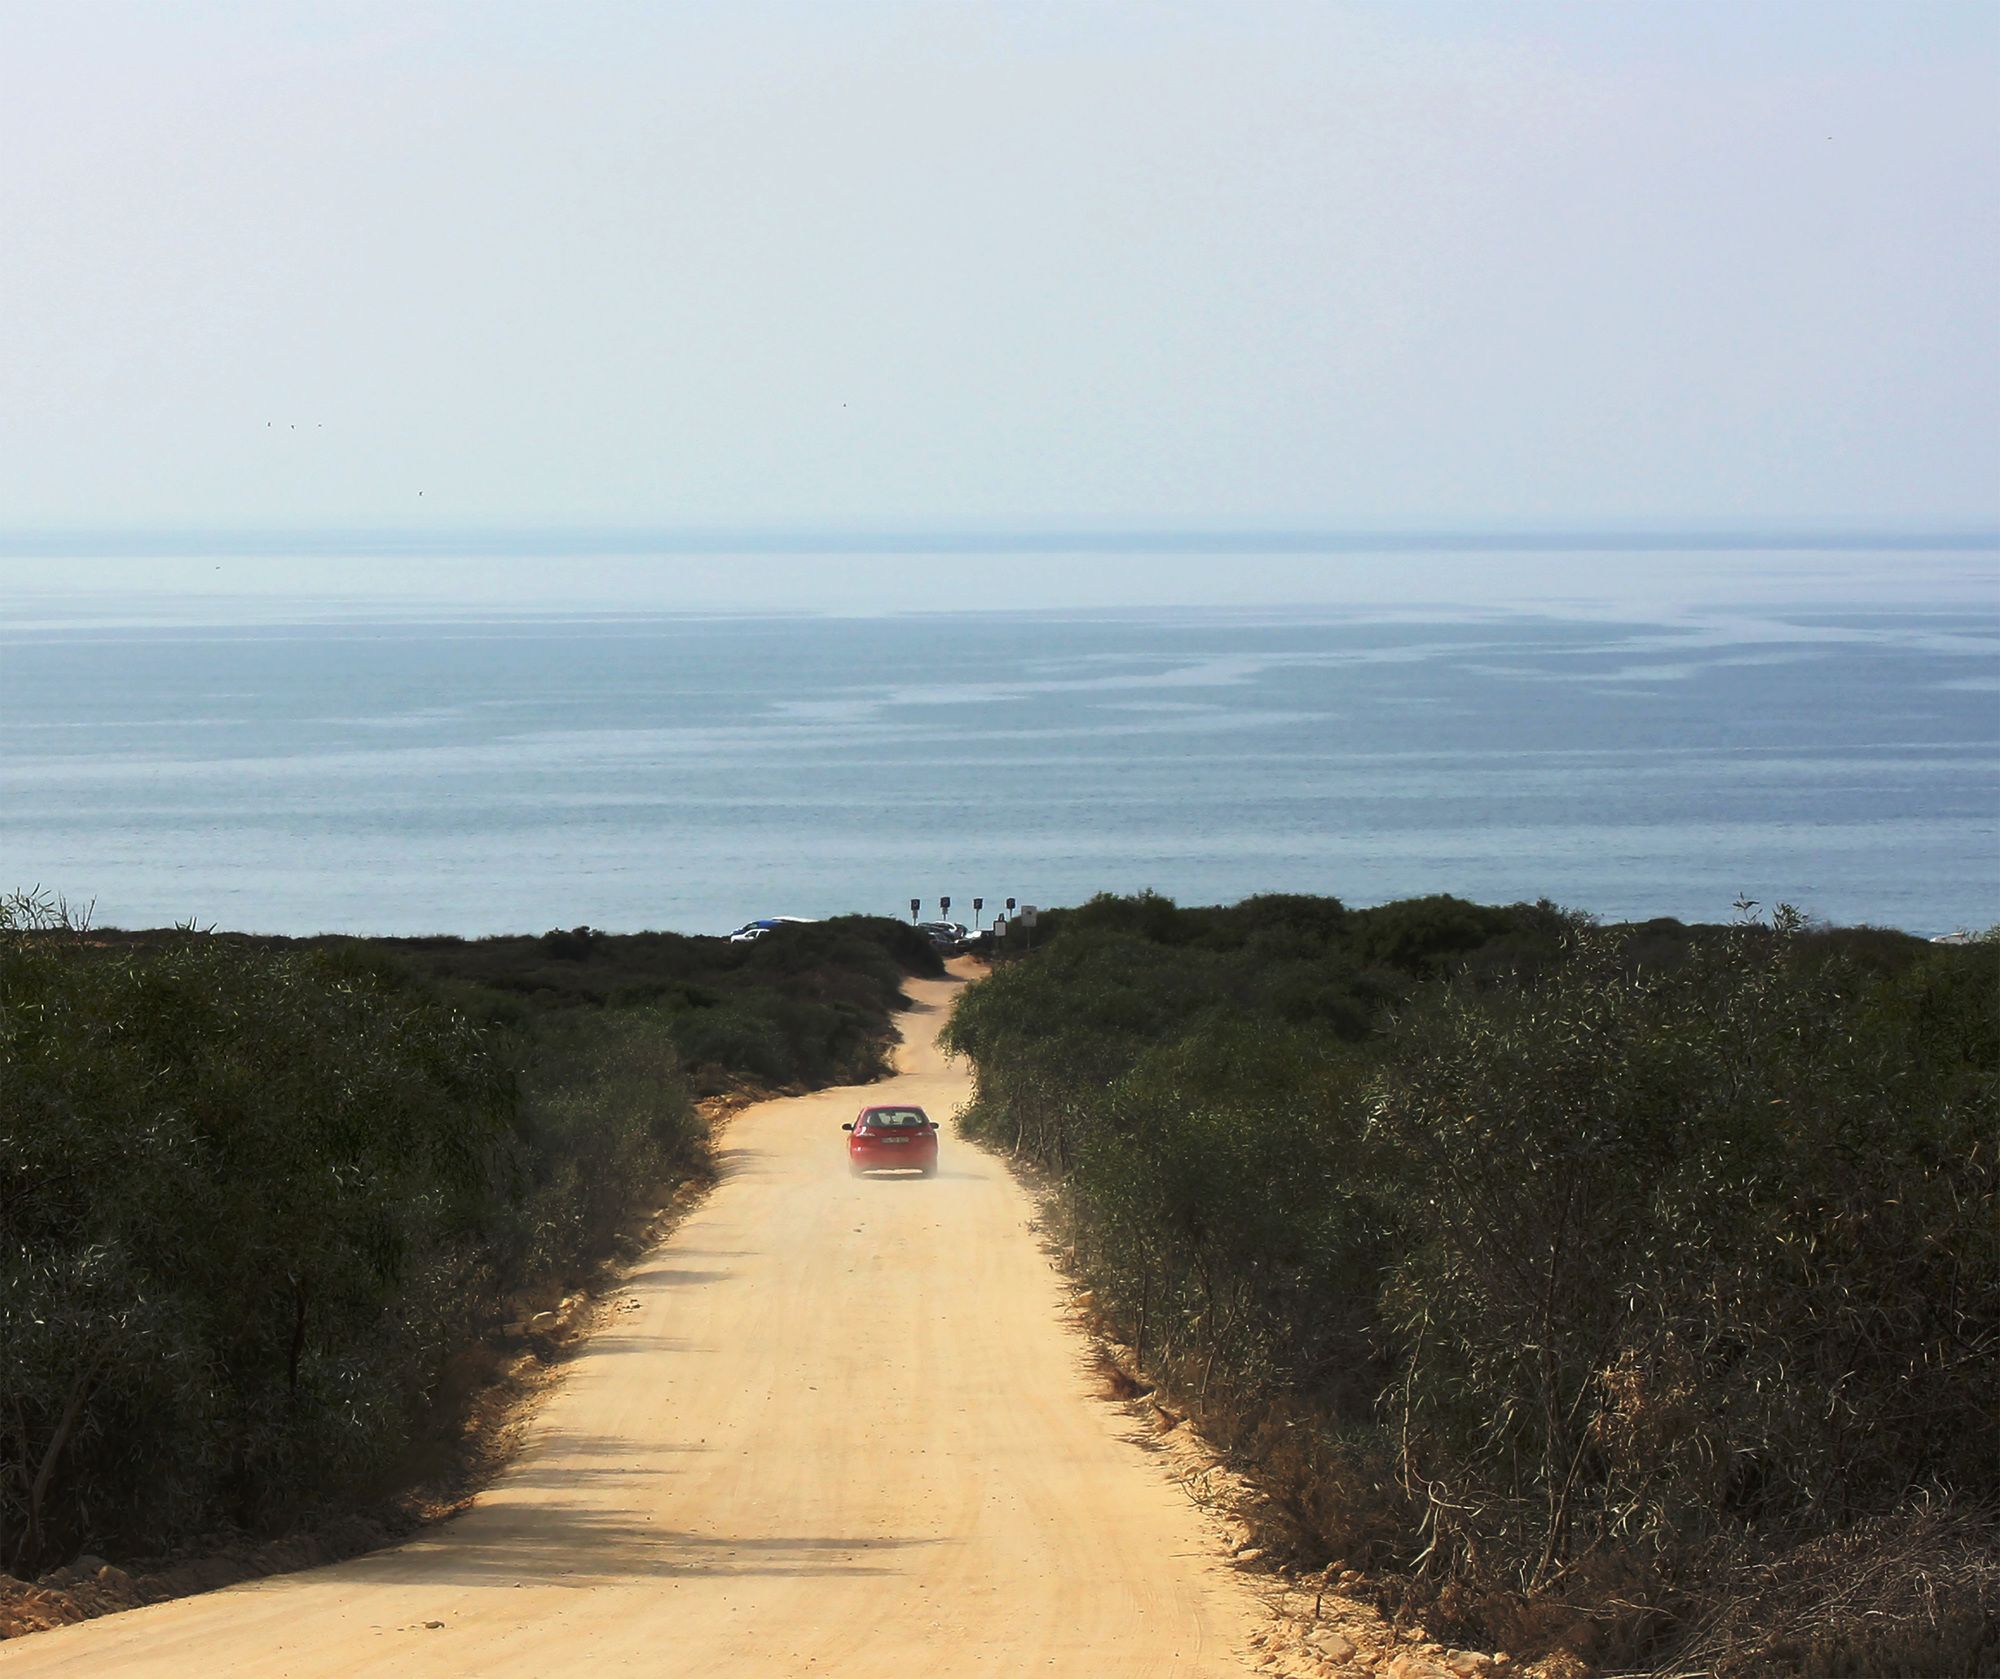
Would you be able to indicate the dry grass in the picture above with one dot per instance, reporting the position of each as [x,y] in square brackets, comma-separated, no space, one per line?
[1915,1594]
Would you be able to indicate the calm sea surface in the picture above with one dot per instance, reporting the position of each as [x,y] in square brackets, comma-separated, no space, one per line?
[405,773]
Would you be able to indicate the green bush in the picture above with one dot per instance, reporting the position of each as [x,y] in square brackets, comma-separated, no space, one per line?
[1592,1263]
[604,1123]
[225,1182]
[1687,1255]
[256,1194]
[733,1038]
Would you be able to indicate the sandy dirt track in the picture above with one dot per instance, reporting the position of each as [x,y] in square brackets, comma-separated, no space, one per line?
[845,1431]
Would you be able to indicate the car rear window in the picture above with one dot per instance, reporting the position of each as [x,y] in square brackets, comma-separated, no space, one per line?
[888,1117]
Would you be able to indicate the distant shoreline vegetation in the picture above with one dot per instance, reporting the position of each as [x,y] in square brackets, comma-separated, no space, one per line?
[557,540]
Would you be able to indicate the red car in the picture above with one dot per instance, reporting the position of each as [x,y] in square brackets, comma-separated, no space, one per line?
[899,1138]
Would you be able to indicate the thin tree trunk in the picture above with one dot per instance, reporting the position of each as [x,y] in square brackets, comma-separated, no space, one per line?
[38,1489]
[298,1347]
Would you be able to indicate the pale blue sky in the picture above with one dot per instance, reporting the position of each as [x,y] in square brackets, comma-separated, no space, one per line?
[266,264]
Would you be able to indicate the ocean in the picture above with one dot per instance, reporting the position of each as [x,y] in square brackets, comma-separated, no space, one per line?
[391,767]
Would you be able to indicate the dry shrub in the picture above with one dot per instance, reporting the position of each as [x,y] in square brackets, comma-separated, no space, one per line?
[1532,1628]
[1119,1383]
[1327,1497]
[1915,1594]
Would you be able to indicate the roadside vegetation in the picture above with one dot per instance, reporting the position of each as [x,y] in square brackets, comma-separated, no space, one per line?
[1631,1293]
[261,1199]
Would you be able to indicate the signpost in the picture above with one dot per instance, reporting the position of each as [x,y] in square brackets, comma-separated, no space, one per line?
[1004,923]
[916,908]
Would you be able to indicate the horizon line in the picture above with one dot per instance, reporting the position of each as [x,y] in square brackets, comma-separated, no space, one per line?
[473,538]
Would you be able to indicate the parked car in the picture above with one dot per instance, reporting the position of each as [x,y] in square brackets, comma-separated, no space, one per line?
[757,929]
[948,936]
[901,1138]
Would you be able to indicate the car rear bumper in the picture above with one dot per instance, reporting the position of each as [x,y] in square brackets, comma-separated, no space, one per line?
[908,1158]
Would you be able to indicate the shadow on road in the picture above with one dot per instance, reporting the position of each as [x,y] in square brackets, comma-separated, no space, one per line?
[674,1276]
[557,1543]
[624,1345]
[739,1161]
[558,1473]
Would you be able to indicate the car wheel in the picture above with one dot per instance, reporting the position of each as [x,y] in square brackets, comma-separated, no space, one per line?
[854,1171]
[930,1171]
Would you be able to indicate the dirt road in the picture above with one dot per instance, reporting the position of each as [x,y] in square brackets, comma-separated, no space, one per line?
[844,1432]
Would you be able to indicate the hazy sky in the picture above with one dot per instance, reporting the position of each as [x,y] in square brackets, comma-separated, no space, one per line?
[740,263]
